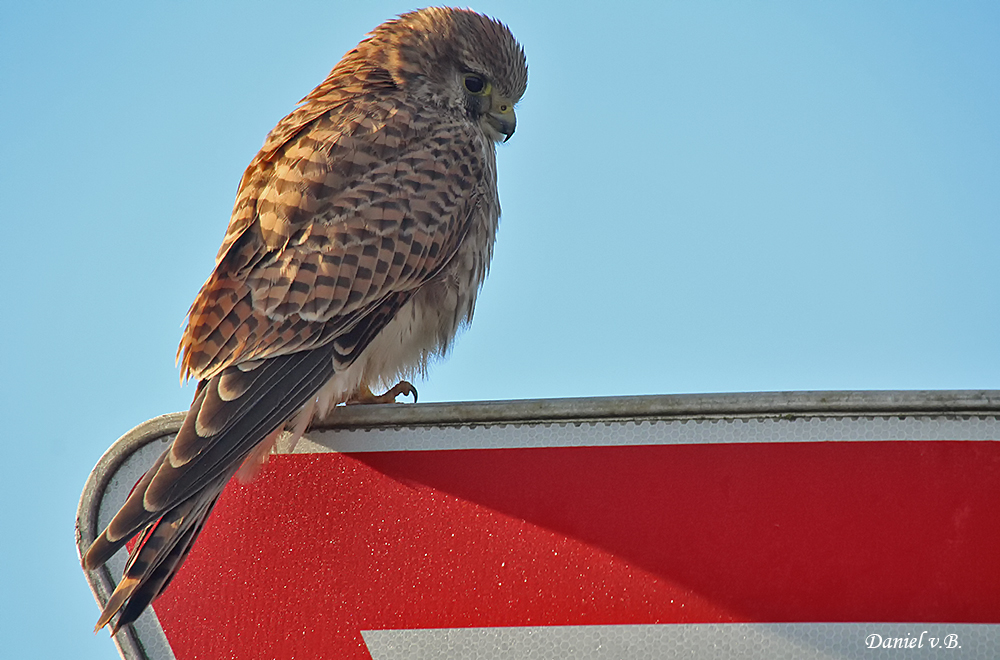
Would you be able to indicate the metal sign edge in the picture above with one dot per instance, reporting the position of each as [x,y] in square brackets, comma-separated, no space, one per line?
[101,583]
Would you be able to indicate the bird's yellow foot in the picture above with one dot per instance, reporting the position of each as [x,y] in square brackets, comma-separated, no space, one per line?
[365,395]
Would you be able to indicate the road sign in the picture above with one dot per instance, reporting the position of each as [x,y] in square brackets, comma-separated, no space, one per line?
[799,525]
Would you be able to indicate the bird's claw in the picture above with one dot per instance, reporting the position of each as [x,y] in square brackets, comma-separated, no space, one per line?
[365,395]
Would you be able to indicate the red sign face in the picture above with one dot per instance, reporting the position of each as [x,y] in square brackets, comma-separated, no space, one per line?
[321,547]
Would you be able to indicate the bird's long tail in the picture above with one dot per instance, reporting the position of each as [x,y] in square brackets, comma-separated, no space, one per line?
[233,414]
[156,556]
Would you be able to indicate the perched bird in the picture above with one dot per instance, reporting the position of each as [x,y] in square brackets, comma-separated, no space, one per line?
[360,237]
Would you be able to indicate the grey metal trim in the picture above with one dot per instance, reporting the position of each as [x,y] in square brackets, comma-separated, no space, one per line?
[729,429]
[672,406]
[100,580]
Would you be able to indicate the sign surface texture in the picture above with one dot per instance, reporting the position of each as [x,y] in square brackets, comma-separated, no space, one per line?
[808,525]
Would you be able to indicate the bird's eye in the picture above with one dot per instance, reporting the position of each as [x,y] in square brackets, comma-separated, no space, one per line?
[475,84]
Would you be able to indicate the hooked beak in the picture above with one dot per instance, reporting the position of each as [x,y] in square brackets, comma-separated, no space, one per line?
[500,117]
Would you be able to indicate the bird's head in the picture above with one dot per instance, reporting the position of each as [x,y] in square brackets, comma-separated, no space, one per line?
[458,59]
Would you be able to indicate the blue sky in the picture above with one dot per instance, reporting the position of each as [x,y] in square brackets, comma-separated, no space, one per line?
[701,197]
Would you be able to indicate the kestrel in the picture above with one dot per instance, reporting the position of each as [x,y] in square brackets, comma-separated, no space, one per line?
[361,234]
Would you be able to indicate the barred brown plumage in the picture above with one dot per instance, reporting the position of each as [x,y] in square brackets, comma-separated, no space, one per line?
[360,236]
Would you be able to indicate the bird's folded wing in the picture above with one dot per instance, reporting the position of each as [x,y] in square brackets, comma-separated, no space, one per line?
[330,256]
[339,222]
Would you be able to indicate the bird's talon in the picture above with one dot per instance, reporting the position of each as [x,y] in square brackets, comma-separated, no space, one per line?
[403,388]
[365,396]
